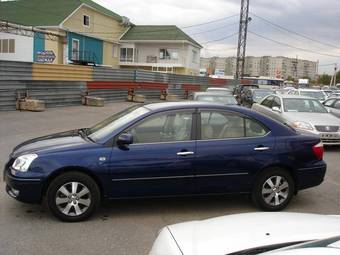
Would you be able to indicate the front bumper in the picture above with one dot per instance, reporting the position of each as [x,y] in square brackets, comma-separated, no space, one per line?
[330,138]
[23,189]
[310,176]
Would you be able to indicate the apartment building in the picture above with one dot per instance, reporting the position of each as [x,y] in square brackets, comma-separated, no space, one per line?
[275,67]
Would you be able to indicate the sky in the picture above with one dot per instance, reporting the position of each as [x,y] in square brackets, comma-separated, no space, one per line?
[315,19]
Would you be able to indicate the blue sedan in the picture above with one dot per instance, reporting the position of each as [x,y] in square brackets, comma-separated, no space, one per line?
[166,149]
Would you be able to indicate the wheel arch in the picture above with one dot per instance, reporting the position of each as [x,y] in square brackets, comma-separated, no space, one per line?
[68,169]
[287,168]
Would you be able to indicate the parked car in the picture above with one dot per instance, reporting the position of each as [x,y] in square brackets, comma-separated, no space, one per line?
[314,93]
[166,149]
[252,96]
[249,234]
[220,90]
[216,97]
[241,89]
[333,106]
[302,113]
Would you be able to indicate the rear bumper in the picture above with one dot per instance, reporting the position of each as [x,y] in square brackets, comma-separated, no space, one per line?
[311,176]
[23,190]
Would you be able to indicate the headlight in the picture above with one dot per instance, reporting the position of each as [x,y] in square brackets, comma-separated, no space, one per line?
[302,125]
[23,162]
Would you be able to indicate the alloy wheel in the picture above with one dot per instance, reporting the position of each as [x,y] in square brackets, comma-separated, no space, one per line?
[73,199]
[275,190]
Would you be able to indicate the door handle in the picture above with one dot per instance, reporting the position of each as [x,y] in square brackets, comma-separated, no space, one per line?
[261,148]
[185,153]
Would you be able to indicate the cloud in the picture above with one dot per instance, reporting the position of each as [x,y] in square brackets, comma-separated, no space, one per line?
[314,18]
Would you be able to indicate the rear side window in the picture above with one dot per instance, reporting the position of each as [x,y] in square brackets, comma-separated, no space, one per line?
[223,125]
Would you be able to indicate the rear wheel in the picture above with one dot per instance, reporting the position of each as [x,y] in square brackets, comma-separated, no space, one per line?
[273,189]
[73,196]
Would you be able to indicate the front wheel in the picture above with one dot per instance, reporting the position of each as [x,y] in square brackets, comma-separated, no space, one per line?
[273,189]
[73,196]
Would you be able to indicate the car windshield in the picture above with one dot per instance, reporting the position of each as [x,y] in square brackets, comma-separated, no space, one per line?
[303,105]
[114,122]
[314,94]
[217,99]
[259,94]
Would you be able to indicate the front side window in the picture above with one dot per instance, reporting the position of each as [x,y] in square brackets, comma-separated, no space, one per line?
[221,125]
[277,102]
[329,102]
[165,127]
[337,105]
[268,102]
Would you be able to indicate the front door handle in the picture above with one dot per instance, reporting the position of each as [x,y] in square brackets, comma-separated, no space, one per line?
[185,153]
[261,148]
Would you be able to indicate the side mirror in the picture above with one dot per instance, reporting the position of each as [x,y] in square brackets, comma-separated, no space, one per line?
[276,109]
[125,139]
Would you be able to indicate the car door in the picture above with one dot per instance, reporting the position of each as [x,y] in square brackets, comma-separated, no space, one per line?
[231,149]
[159,161]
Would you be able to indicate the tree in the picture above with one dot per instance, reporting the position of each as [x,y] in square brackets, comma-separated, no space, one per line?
[290,78]
[325,79]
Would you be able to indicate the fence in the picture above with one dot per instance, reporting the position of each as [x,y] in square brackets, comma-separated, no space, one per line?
[63,85]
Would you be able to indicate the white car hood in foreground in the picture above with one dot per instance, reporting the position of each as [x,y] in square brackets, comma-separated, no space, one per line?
[227,234]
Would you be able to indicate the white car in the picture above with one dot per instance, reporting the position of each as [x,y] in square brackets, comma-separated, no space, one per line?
[249,233]
[313,93]
[219,90]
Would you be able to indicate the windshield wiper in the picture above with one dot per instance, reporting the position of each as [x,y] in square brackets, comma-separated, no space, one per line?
[83,133]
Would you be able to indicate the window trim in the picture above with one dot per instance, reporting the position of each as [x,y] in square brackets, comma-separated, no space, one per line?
[88,16]
[199,133]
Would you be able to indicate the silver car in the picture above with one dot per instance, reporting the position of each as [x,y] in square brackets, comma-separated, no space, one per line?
[302,113]
[215,97]
[333,106]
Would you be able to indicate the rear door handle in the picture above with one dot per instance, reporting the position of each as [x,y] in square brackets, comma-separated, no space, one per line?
[261,148]
[185,153]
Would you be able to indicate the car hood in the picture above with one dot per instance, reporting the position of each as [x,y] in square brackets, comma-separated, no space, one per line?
[52,142]
[316,119]
[228,234]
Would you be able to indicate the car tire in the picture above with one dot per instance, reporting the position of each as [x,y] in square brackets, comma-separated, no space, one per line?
[273,189]
[73,196]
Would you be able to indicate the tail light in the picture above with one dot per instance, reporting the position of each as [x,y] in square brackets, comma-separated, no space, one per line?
[318,150]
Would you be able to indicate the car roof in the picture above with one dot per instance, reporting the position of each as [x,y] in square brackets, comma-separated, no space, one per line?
[208,93]
[219,88]
[283,96]
[184,105]
[310,90]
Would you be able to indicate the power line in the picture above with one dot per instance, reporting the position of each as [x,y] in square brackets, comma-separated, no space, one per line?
[221,39]
[209,22]
[291,46]
[212,30]
[293,32]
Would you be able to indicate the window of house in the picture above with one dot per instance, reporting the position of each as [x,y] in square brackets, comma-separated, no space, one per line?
[114,51]
[164,54]
[11,46]
[126,54]
[5,44]
[86,20]
[194,56]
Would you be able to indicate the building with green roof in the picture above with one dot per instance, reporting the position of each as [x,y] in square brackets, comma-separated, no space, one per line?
[85,31]
[160,48]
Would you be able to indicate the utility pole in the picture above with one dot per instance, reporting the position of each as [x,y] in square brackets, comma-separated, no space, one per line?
[333,80]
[242,38]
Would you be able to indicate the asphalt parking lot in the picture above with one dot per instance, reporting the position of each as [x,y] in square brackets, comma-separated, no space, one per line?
[119,227]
